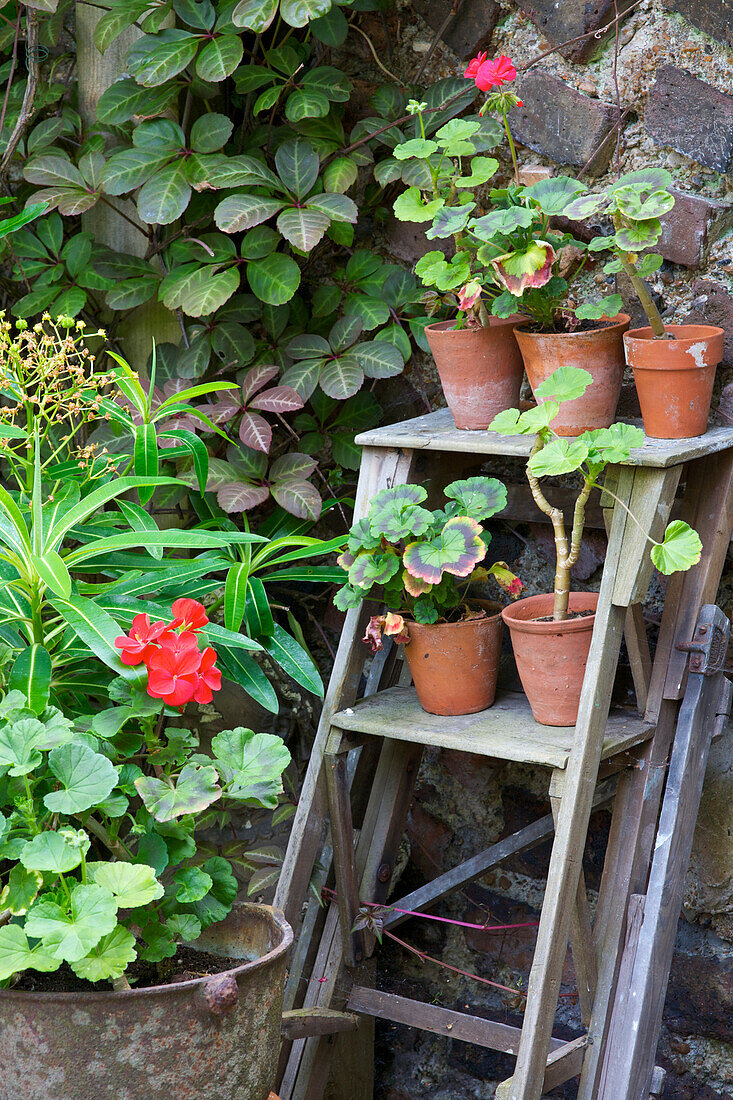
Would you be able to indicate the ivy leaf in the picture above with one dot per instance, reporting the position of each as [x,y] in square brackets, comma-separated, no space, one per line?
[274,279]
[164,197]
[559,456]
[70,933]
[251,765]
[86,777]
[109,958]
[457,550]
[219,57]
[156,58]
[679,550]
[16,953]
[131,884]
[478,497]
[194,790]
[564,384]
[255,15]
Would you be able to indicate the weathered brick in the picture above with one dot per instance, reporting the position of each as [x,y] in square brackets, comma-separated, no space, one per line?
[560,22]
[711,16]
[692,117]
[563,124]
[469,30]
[691,226]
[713,305]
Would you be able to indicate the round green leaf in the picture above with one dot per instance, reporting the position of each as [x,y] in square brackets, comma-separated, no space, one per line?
[564,384]
[86,777]
[155,58]
[194,790]
[21,890]
[70,933]
[219,57]
[16,953]
[109,958]
[165,196]
[192,884]
[131,884]
[210,132]
[559,456]
[251,765]
[274,279]
[679,550]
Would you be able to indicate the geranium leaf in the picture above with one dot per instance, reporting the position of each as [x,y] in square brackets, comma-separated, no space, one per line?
[553,194]
[194,790]
[457,550]
[396,513]
[19,745]
[564,384]
[131,884]
[370,569]
[559,456]
[21,890]
[679,550]
[251,765]
[478,497]
[109,958]
[86,778]
[218,902]
[70,933]
[192,884]
[16,953]
[409,207]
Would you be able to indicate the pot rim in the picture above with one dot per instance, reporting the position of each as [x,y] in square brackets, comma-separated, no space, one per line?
[566,626]
[116,996]
[702,332]
[611,323]
[461,622]
[497,322]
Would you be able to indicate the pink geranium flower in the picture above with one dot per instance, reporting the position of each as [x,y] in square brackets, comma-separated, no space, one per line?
[495,73]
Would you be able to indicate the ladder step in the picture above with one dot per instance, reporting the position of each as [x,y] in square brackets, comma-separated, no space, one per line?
[506,731]
[563,1063]
[301,1023]
[441,1021]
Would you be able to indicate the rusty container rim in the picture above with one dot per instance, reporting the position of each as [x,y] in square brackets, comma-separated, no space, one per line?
[276,919]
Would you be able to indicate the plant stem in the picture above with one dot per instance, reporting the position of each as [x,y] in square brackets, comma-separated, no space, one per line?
[121,984]
[655,318]
[116,847]
[512,148]
[562,566]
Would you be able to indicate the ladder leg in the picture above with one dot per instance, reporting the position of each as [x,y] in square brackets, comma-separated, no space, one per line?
[649,494]
[581,940]
[342,835]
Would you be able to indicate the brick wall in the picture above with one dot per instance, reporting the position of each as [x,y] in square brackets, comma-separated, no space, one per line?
[669,75]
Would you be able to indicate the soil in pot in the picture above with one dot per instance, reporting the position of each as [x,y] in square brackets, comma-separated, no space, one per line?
[454,665]
[599,351]
[480,369]
[674,378]
[551,657]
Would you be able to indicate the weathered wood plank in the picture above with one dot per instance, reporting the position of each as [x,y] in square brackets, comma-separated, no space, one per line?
[506,731]
[564,1063]
[437,432]
[298,1023]
[342,837]
[640,659]
[438,1020]
[581,941]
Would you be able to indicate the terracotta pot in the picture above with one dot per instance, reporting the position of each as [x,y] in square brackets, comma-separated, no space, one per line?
[600,351]
[674,378]
[454,665]
[480,368]
[551,657]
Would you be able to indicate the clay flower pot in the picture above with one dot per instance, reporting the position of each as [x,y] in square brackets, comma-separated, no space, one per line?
[551,657]
[480,368]
[600,351]
[454,665]
[674,378]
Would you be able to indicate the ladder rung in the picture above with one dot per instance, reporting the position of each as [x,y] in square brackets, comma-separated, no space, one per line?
[441,1021]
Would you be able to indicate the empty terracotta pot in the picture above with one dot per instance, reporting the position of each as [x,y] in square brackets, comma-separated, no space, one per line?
[480,368]
[551,657]
[674,378]
[600,351]
[454,665]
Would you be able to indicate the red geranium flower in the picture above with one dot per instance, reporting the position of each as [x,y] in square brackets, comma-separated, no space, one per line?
[140,643]
[494,73]
[189,614]
[209,677]
[173,674]
[474,65]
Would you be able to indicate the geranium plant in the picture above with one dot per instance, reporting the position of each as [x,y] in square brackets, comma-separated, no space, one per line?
[422,562]
[507,260]
[99,810]
[587,455]
[634,204]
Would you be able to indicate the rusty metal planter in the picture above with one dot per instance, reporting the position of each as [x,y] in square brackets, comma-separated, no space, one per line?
[213,1038]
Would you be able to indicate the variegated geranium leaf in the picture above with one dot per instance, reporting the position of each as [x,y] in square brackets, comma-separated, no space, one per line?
[370,569]
[457,549]
[396,513]
[478,497]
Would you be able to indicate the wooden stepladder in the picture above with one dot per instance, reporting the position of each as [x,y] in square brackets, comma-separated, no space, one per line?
[366,757]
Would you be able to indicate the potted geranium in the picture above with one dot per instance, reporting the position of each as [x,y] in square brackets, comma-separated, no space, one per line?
[551,633]
[124,961]
[423,563]
[674,365]
[509,265]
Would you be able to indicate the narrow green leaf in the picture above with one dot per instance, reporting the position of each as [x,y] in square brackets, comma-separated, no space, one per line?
[31,674]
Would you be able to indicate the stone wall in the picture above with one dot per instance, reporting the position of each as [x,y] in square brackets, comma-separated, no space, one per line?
[668,77]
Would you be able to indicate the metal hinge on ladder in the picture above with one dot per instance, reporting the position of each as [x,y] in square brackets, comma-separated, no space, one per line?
[708,649]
